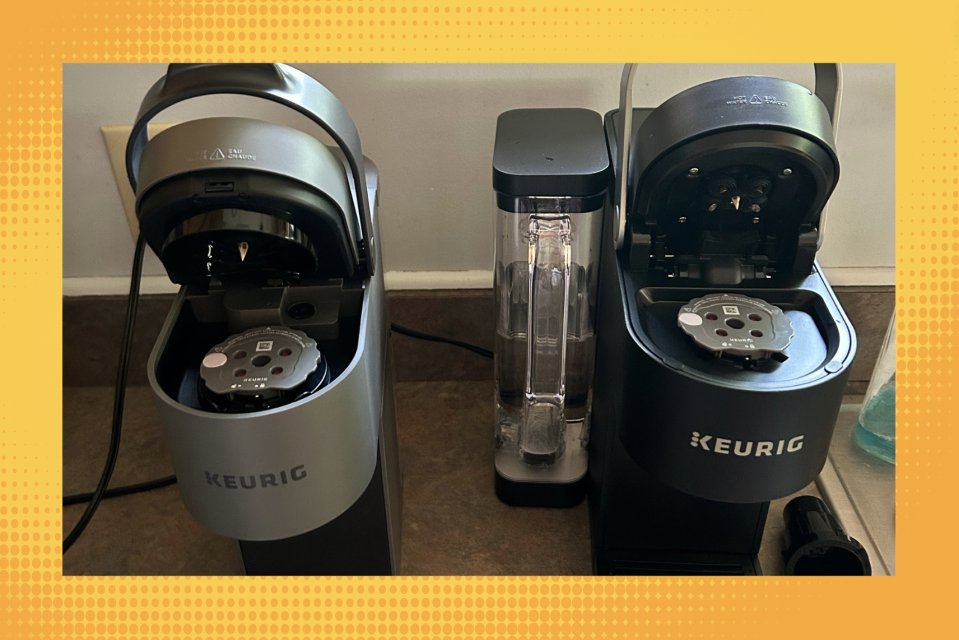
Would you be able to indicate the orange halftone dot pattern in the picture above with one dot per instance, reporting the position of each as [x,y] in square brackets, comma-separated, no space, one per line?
[37,601]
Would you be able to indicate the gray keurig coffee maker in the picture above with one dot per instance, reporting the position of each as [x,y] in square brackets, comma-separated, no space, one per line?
[272,371]
[722,351]
[550,176]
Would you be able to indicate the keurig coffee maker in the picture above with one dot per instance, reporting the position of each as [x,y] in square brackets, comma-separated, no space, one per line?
[722,352]
[272,371]
[550,176]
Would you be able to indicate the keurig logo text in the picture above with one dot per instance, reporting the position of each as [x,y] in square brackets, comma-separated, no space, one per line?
[746,448]
[256,481]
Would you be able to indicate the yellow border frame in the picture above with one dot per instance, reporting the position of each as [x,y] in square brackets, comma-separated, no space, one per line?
[37,37]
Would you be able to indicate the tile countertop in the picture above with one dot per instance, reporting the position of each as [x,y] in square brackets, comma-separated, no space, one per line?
[452,522]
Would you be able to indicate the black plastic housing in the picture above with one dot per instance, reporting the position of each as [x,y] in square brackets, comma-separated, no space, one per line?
[550,153]
[660,370]
[751,435]
[728,181]
[817,545]
[688,449]
[556,495]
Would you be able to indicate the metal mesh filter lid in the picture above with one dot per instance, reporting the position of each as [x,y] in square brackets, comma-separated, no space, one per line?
[737,327]
[261,368]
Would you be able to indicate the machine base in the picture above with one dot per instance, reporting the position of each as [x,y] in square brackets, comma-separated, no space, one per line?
[559,485]
[631,562]
[364,540]
[356,543]
[540,494]
[640,526]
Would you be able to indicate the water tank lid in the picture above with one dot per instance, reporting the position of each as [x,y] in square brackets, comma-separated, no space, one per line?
[550,152]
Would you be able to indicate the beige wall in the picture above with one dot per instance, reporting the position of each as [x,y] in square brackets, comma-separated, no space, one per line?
[430,130]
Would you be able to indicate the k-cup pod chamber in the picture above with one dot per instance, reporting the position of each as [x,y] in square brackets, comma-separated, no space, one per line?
[722,351]
[550,175]
[260,369]
[272,371]
[744,330]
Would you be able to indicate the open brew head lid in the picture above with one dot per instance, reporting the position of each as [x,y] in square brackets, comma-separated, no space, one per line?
[242,198]
[728,180]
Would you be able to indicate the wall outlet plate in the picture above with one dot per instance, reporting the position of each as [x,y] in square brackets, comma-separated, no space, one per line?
[115,137]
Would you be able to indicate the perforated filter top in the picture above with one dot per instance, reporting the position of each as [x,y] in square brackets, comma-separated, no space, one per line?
[737,327]
[260,369]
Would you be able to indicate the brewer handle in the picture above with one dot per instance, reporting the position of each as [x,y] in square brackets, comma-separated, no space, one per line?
[279,83]
[828,89]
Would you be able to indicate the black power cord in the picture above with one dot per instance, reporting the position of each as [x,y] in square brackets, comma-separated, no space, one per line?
[486,353]
[119,398]
[116,492]
[159,483]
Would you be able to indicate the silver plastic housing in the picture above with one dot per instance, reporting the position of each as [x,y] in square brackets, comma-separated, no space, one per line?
[246,143]
[328,440]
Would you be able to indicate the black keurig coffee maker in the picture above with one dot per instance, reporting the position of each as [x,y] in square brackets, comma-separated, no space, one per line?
[722,352]
[272,372]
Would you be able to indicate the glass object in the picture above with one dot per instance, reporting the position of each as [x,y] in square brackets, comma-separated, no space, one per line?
[876,429]
[546,282]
